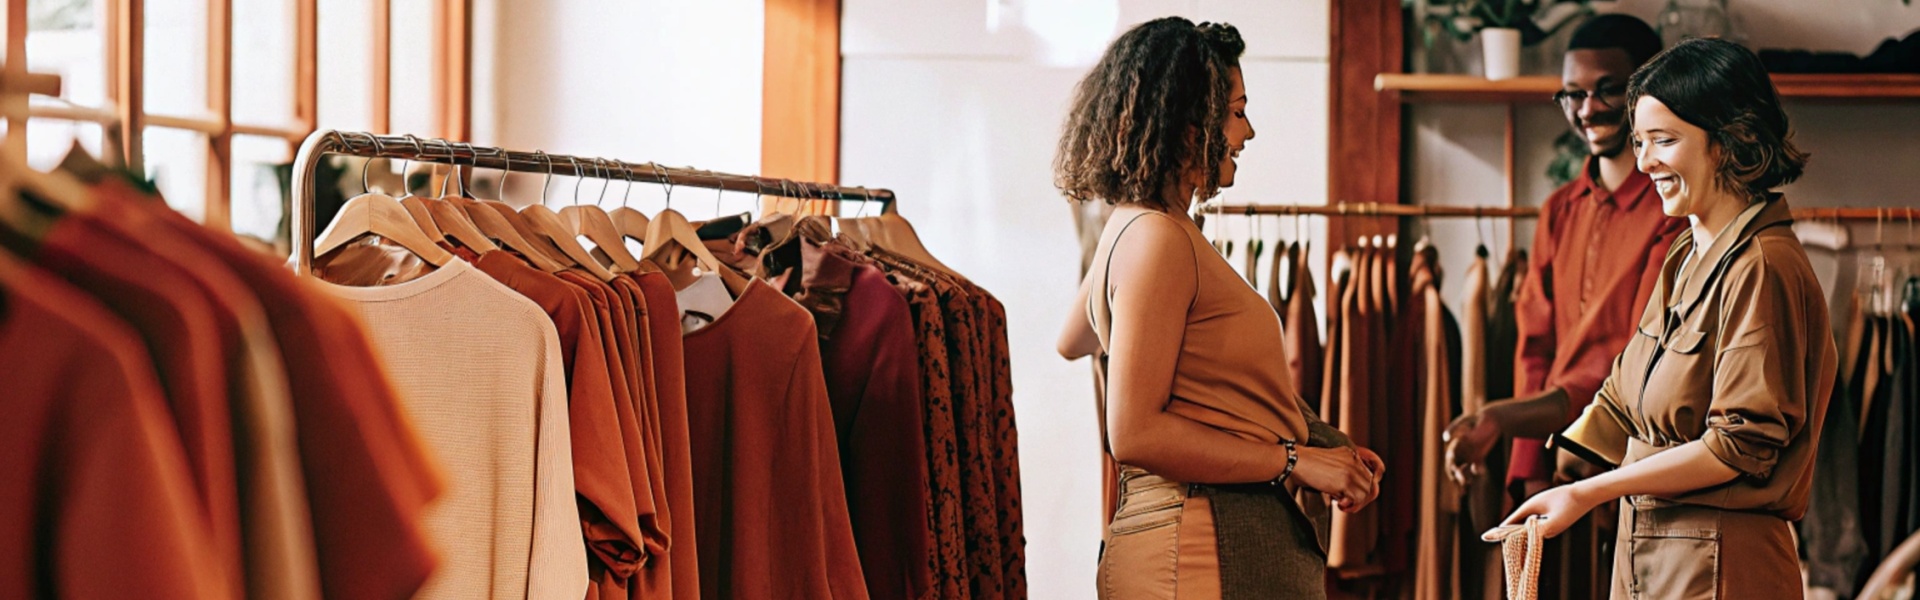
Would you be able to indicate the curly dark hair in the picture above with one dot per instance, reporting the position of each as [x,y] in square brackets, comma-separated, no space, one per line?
[1155,106]
[1723,88]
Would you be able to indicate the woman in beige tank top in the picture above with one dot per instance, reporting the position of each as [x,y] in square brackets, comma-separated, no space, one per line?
[1201,414]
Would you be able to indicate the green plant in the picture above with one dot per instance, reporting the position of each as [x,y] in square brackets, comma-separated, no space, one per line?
[1536,19]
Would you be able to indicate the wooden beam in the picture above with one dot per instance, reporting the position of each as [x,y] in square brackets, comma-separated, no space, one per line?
[800,92]
[130,66]
[219,201]
[16,70]
[1364,131]
[306,79]
[382,66]
[453,68]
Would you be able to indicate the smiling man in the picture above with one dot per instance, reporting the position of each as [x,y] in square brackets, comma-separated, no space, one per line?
[1596,254]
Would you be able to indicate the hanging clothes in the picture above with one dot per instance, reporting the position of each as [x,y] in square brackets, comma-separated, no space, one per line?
[508,524]
[1832,547]
[760,421]
[873,382]
[1305,355]
[610,523]
[1437,541]
[91,465]
[670,386]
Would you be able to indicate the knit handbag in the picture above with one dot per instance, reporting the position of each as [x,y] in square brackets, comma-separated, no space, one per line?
[1520,551]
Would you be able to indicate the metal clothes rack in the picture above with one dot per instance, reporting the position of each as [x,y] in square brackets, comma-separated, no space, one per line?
[412,148]
[1374,209]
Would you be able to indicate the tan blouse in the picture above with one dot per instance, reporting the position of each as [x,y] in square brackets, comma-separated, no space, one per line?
[1232,372]
[1735,354]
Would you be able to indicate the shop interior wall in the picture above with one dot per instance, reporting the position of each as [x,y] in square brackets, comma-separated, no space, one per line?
[957,106]
[1863,155]
[668,81]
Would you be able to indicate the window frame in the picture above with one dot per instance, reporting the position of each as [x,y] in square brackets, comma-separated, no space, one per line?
[124,119]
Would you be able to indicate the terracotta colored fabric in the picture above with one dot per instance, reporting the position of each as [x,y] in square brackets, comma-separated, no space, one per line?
[368,476]
[92,472]
[182,334]
[275,526]
[1305,355]
[656,581]
[952,573]
[670,385]
[971,377]
[608,520]
[1595,256]
[770,503]
[612,324]
[873,381]
[1353,534]
[1435,567]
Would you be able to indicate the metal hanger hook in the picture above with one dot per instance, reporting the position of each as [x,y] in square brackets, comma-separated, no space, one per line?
[627,174]
[719,189]
[367,165]
[605,173]
[549,179]
[578,175]
[665,182]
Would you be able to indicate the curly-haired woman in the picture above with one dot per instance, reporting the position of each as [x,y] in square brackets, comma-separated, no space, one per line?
[1713,412]
[1200,411]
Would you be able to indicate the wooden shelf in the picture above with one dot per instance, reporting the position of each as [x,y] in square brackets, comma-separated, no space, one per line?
[1540,89]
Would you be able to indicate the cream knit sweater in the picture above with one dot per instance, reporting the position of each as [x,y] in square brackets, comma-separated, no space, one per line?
[479,369]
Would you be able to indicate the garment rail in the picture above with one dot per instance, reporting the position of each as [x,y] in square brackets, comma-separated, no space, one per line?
[416,149]
[1374,209]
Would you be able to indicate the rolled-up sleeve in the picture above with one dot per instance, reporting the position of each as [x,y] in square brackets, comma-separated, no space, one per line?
[1760,392]
[1600,434]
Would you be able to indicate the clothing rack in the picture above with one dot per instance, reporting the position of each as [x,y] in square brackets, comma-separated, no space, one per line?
[1375,209]
[457,154]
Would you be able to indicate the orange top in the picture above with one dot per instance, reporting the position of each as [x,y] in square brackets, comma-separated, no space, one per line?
[1227,376]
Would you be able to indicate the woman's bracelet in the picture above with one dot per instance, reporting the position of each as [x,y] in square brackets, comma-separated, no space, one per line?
[1293,458]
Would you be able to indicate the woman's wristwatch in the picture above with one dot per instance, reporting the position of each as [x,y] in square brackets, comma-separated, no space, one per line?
[1293,458]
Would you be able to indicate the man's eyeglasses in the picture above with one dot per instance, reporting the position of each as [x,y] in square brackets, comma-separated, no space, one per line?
[1610,97]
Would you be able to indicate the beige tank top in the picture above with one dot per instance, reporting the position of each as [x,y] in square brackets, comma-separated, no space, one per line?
[1232,370]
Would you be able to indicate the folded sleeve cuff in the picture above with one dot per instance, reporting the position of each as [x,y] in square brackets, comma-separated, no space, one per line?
[1596,436]
[1750,459]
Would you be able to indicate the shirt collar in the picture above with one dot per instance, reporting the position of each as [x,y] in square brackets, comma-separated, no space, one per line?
[1630,194]
[1705,268]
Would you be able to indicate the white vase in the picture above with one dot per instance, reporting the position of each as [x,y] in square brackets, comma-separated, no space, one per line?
[1500,47]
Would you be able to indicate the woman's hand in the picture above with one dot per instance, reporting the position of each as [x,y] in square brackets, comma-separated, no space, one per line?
[1559,508]
[1339,473]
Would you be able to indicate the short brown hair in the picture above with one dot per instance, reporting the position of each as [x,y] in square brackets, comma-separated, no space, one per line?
[1723,88]
[1155,105]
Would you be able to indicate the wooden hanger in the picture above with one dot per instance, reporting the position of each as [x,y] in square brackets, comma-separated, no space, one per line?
[494,224]
[892,232]
[454,223]
[670,229]
[380,215]
[547,226]
[590,221]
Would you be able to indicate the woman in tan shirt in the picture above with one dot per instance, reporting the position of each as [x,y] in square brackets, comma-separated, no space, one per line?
[1201,414]
[1713,412]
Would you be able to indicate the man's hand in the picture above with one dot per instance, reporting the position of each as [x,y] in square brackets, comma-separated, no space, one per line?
[1468,440]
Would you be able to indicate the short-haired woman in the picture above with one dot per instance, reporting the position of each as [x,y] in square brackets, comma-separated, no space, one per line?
[1200,411]
[1713,412]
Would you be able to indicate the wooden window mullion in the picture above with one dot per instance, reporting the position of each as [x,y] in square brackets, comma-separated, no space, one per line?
[220,101]
[129,22]
[16,142]
[382,66]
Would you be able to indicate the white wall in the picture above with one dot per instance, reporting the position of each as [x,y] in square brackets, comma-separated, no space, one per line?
[656,80]
[957,104]
[1862,154]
